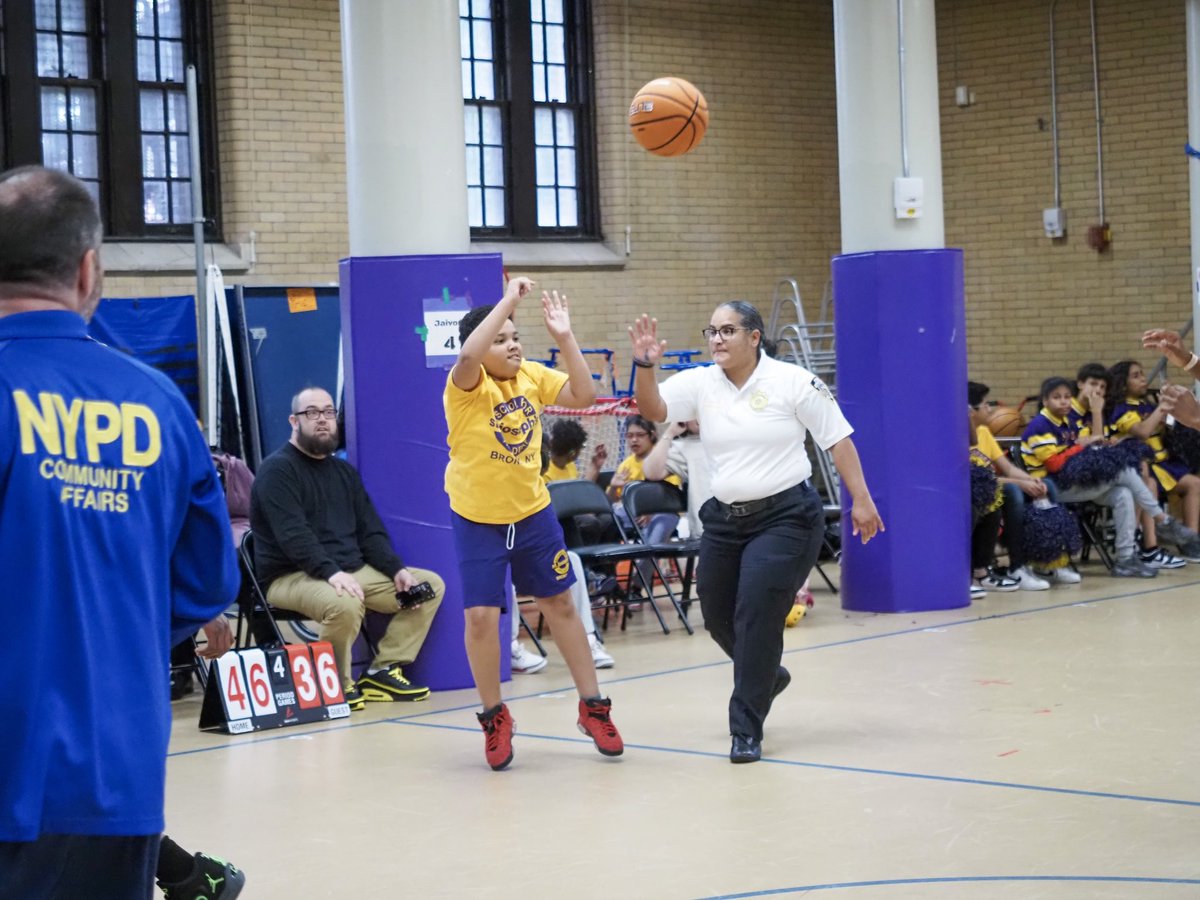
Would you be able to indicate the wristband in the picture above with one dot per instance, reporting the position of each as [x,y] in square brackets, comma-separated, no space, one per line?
[643,363]
[1191,362]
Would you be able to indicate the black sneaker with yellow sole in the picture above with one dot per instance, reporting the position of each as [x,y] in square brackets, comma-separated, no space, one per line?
[390,685]
[355,699]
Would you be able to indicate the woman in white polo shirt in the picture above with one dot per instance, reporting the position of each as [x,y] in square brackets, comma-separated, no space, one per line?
[763,526]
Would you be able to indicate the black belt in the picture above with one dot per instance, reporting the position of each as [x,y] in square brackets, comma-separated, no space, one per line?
[750,507]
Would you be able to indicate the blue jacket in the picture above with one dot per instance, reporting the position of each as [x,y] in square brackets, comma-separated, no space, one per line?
[114,540]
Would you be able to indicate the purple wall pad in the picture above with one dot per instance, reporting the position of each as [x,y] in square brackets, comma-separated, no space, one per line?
[396,429]
[902,382]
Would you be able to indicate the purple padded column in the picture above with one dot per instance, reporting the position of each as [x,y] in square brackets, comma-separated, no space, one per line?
[395,426]
[902,382]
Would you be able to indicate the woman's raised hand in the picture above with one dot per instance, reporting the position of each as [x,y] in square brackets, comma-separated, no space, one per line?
[643,334]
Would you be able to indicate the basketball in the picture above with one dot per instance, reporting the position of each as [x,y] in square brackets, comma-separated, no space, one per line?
[668,116]
[1006,422]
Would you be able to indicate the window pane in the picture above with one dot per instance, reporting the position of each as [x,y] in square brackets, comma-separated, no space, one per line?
[558,84]
[483,40]
[47,15]
[47,56]
[75,57]
[54,108]
[181,202]
[83,109]
[170,60]
[154,158]
[535,10]
[539,84]
[565,120]
[555,46]
[177,112]
[170,18]
[54,151]
[485,89]
[144,13]
[473,169]
[539,44]
[481,8]
[74,15]
[554,11]
[566,167]
[94,189]
[543,127]
[152,111]
[547,208]
[494,208]
[154,202]
[471,123]
[464,7]
[180,157]
[474,203]
[468,90]
[146,69]
[568,213]
[493,133]
[545,166]
[86,162]
[464,39]
[493,167]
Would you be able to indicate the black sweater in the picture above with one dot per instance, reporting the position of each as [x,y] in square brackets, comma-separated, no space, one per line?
[314,515]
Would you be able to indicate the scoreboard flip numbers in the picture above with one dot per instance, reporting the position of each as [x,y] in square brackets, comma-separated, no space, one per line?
[255,689]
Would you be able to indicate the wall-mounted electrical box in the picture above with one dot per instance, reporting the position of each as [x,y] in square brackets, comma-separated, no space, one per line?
[1054,221]
[908,195]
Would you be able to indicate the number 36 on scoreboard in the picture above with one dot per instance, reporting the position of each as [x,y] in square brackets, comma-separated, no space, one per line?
[252,689]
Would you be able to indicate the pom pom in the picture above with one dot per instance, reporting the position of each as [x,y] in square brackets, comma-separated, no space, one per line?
[1134,452]
[984,489]
[1051,533]
[1099,464]
[1183,443]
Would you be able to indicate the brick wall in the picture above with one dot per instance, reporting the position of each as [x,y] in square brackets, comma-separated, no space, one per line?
[758,199]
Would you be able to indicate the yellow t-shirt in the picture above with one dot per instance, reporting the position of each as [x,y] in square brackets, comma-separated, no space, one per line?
[985,443]
[569,472]
[495,438]
[632,467]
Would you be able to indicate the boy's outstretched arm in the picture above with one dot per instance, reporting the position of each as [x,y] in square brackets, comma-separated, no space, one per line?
[580,389]
[470,355]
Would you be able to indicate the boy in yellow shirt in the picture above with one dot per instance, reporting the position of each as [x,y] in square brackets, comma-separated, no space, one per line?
[500,507]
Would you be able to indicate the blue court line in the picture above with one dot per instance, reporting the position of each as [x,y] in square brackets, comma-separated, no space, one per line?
[965,879]
[722,662]
[830,767]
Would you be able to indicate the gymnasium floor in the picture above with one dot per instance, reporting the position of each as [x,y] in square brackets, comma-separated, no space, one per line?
[1033,745]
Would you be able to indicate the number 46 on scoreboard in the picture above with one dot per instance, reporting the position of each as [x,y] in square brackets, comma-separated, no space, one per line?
[252,689]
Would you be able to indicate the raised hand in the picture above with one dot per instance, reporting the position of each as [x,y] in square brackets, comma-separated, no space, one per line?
[518,287]
[1169,344]
[554,312]
[643,333]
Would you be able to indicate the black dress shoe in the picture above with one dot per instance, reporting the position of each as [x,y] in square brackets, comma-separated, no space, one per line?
[745,749]
[782,679]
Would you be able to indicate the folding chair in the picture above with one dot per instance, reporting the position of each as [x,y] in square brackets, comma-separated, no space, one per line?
[581,498]
[648,498]
[262,619]
[1094,521]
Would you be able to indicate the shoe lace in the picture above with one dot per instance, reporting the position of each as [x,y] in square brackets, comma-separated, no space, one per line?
[398,674]
[600,715]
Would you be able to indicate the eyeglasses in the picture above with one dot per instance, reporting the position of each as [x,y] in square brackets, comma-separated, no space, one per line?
[312,413]
[725,331]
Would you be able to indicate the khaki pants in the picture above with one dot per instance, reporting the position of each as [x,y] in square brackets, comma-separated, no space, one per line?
[340,617]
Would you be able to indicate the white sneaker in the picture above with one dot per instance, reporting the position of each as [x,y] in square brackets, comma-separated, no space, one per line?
[1029,581]
[994,581]
[1161,559]
[1065,575]
[977,591]
[524,661]
[599,655]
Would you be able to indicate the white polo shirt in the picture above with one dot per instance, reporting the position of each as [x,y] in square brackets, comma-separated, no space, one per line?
[754,435]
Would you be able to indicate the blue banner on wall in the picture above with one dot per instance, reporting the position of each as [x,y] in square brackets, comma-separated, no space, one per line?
[159,331]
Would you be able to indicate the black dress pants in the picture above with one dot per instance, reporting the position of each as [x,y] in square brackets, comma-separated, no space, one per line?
[79,867]
[750,569]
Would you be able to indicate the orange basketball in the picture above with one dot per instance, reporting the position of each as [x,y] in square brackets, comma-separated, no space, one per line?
[1006,422]
[668,116]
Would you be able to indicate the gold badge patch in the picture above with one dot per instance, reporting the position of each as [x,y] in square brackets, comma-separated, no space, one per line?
[561,564]
[758,400]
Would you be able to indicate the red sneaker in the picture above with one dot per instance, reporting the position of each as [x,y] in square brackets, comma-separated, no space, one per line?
[498,728]
[595,722]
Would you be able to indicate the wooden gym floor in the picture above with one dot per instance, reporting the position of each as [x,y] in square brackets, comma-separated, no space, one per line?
[1033,745]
